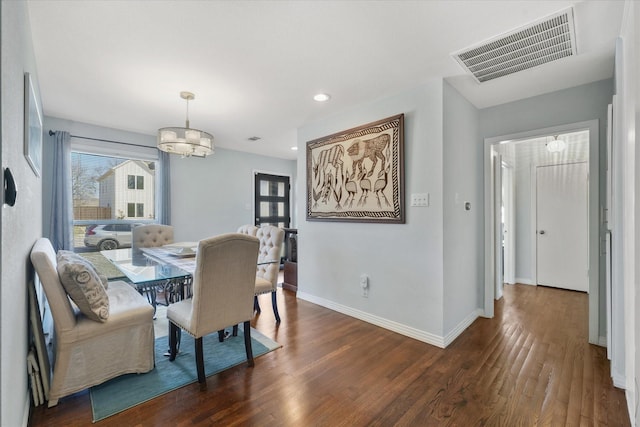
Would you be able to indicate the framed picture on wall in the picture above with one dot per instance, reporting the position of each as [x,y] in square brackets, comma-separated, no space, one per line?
[32,126]
[358,175]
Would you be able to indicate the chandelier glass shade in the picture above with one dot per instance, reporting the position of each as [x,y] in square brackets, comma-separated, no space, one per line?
[185,141]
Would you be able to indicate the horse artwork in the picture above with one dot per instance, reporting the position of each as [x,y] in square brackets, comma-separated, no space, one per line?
[358,174]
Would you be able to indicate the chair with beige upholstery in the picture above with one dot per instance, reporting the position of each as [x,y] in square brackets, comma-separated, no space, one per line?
[249,229]
[92,347]
[223,284]
[151,235]
[271,240]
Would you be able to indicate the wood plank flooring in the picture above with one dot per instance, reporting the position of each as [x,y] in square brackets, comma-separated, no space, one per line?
[530,365]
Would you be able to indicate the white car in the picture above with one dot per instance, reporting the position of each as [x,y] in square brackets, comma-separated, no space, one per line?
[108,236]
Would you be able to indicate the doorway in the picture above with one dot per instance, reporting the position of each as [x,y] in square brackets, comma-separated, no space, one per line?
[272,200]
[501,149]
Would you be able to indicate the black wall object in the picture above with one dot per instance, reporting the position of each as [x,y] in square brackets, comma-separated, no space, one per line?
[10,191]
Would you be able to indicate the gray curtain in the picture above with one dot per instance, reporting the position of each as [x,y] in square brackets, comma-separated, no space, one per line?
[164,190]
[61,225]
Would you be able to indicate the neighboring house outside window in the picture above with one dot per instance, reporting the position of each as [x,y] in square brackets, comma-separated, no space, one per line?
[125,190]
[114,188]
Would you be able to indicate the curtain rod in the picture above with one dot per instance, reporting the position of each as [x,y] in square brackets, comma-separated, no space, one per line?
[52,132]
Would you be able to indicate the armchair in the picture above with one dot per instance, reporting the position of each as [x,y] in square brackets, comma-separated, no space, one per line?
[90,352]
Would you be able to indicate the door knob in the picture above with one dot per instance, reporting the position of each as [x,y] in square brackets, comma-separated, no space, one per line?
[542,231]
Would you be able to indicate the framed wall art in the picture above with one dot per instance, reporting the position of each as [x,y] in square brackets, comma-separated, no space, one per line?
[32,126]
[358,175]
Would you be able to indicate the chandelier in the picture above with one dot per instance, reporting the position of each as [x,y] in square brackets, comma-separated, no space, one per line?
[185,141]
[556,145]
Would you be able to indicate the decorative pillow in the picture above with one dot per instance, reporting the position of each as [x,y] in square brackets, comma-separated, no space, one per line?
[79,278]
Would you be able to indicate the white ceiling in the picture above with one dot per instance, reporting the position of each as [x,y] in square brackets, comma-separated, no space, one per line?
[255,65]
[534,151]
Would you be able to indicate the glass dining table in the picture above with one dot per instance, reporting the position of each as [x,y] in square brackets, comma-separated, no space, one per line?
[166,268]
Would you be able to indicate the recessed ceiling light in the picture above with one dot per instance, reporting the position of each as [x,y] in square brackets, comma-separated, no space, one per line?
[294,148]
[321,97]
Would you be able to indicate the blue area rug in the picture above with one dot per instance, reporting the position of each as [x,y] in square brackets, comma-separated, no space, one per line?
[130,390]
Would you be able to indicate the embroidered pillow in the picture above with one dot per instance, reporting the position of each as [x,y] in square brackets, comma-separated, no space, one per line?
[83,285]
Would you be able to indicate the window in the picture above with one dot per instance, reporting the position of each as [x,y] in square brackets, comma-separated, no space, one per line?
[135,210]
[135,182]
[101,191]
[114,187]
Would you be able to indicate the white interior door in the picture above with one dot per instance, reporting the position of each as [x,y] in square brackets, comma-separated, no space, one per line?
[562,232]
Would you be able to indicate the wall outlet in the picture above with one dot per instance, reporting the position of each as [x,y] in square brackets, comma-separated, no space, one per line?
[364,285]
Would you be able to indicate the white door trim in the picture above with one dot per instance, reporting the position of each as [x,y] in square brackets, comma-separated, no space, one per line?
[508,185]
[594,225]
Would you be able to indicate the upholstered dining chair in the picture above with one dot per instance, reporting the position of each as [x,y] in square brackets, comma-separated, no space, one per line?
[107,335]
[223,284]
[271,241]
[249,229]
[151,235]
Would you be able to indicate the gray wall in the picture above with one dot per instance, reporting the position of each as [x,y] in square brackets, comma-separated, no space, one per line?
[21,223]
[404,262]
[581,103]
[208,196]
[463,230]
[215,195]
[524,270]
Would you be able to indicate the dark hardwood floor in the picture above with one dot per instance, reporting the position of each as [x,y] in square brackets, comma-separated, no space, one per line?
[530,365]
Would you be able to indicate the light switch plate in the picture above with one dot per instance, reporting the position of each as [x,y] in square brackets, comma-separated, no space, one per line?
[420,199]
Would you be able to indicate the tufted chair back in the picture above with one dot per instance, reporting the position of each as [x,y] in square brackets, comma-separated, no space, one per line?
[151,235]
[271,239]
[249,229]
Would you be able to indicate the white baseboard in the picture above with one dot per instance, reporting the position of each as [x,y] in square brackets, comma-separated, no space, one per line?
[466,322]
[524,281]
[405,330]
[631,405]
[602,341]
[27,409]
[619,380]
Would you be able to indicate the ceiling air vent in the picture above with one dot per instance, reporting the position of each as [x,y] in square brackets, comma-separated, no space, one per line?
[546,40]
